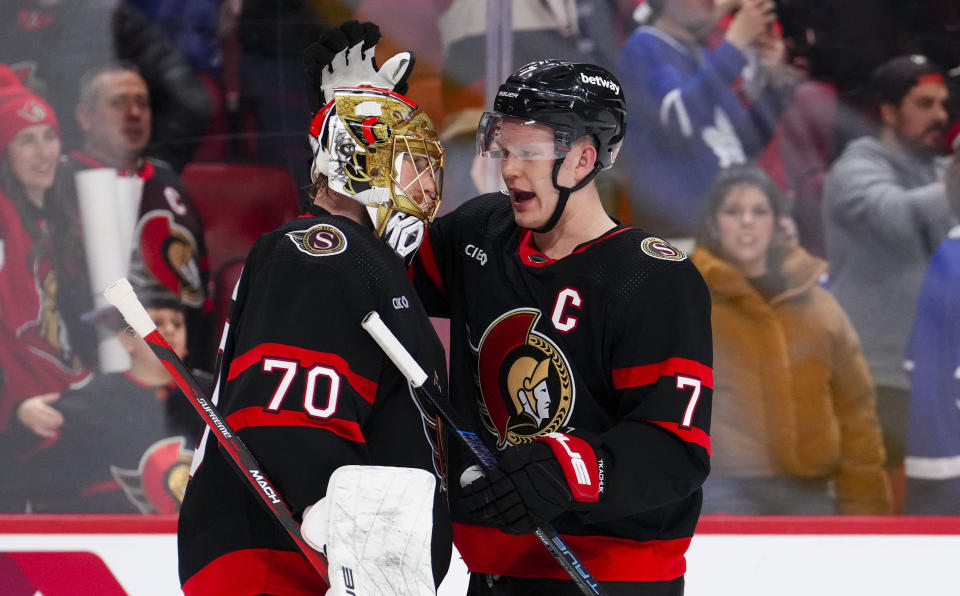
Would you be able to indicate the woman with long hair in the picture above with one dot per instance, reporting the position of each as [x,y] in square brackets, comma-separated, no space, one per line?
[36,359]
[794,427]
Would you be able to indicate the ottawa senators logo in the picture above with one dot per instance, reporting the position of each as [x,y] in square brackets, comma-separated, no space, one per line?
[169,253]
[661,249]
[158,483]
[319,241]
[525,382]
[47,336]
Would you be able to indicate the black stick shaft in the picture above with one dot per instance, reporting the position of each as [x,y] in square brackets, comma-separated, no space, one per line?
[121,295]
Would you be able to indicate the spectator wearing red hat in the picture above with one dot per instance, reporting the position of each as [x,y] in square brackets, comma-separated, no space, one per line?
[36,358]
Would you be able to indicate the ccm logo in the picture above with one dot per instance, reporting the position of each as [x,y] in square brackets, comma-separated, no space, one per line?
[474,252]
[600,81]
[576,460]
[401,302]
[567,297]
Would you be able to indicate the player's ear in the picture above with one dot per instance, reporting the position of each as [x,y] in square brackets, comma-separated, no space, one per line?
[588,156]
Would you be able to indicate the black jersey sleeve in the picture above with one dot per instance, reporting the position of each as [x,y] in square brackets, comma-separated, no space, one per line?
[660,358]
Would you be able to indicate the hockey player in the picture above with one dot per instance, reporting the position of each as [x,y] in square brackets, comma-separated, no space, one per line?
[590,346]
[301,383]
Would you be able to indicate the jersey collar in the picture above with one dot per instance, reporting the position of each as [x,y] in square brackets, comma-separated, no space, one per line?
[531,256]
[146,170]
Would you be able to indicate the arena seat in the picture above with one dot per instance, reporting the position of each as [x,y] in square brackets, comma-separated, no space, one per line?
[238,203]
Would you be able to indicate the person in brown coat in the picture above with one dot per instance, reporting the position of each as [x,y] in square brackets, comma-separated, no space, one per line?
[795,428]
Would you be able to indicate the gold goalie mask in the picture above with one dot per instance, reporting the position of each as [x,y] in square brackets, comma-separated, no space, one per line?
[380,149]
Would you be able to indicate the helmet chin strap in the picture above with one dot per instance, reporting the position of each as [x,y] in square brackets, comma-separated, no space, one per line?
[565,192]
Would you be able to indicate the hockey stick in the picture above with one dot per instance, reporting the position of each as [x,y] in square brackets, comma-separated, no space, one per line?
[121,295]
[394,350]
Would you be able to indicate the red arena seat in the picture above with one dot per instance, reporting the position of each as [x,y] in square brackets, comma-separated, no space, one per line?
[238,202]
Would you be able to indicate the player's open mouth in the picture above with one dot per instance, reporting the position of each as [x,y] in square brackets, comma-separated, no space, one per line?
[519,196]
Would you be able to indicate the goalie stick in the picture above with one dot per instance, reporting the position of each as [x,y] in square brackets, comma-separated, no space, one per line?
[121,295]
[417,378]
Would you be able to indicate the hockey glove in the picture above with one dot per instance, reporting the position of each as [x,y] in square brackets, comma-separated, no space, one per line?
[533,484]
[344,57]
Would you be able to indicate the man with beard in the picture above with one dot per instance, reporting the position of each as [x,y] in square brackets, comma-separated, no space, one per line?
[696,107]
[885,212]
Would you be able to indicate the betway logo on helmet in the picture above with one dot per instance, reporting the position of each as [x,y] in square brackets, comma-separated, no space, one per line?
[600,81]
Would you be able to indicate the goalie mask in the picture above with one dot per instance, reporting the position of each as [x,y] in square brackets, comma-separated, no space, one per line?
[380,149]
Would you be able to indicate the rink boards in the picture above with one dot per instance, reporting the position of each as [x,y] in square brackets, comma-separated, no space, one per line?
[117,554]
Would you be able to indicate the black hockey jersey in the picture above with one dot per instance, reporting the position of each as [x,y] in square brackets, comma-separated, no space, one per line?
[123,448]
[611,343]
[308,391]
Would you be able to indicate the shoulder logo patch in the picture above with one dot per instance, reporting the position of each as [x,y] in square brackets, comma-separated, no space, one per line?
[661,249]
[321,240]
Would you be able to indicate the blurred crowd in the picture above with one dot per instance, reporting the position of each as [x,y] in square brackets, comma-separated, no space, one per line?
[806,155]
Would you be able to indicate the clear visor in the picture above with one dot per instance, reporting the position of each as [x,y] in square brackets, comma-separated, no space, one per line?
[417,176]
[502,136]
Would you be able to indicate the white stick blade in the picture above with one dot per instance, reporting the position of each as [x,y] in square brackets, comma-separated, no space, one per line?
[120,294]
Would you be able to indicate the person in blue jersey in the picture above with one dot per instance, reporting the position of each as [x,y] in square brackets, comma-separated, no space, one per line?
[688,119]
[932,460]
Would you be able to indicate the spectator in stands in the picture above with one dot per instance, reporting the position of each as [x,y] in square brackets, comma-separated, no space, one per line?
[933,435]
[885,212]
[55,41]
[794,428]
[687,120]
[36,357]
[192,26]
[126,441]
[115,115]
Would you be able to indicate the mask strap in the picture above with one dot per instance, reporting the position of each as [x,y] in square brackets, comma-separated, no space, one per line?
[564,194]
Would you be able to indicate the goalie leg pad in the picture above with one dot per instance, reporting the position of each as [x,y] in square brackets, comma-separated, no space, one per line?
[378,524]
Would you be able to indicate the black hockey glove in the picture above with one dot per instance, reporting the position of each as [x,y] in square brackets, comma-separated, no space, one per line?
[530,486]
[344,57]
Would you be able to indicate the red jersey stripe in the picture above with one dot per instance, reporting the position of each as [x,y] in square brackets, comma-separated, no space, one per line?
[690,435]
[429,261]
[257,571]
[648,374]
[365,387]
[489,550]
[257,416]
